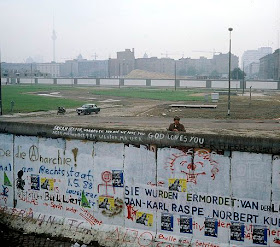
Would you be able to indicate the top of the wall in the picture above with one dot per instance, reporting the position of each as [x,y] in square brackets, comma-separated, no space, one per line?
[143,137]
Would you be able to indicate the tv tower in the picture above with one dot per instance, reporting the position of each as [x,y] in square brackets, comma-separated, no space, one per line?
[53,38]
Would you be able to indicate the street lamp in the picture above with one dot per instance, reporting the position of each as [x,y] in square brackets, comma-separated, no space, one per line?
[1,112]
[229,70]
[175,76]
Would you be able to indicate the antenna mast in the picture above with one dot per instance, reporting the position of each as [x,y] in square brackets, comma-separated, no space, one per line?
[53,38]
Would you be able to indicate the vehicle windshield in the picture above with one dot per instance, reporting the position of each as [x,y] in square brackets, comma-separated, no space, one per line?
[86,106]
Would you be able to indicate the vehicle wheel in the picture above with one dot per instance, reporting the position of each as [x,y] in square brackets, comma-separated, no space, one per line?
[96,112]
[89,113]
[79,113]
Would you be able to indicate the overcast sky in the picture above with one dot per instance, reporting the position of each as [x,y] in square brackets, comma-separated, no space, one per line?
[156,27]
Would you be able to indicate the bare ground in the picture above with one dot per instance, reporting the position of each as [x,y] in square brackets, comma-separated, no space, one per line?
[258,117]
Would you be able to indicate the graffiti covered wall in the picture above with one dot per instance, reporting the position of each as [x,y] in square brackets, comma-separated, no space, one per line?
[140,195]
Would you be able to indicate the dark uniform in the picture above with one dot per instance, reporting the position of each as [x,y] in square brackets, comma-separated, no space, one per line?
[179,127]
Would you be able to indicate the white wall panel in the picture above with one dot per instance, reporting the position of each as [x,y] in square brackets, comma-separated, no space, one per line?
[140,183]
[108,167]
[6,170]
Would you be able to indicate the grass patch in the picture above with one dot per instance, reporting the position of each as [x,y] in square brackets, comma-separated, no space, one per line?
[158,94]
[24,102]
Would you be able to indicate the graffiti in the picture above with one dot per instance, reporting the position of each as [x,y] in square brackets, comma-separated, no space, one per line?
[75,153]
[79,193]
[107,178]
[84,202]
[5,191]
[71,209]
[187,159]
[7,181]
[202,243]
[57,206]
[5,153]
[56,197]
[191,175]
[206,155]
[20,182]
[159,183]
[276,241]
[7,168]
[131,236]
[19,154]
[76,226]
[276,157]
[67,173]
[166,238]
[175,203]
[29,215]
[27,169]
[54,171]
[131,212]
[89,217]
[30,197]
[171,163]
[58,159]
[33,153]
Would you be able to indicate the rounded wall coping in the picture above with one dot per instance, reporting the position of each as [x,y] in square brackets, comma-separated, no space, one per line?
[140,137]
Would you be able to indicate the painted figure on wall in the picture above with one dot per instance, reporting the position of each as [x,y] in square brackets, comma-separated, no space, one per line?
[193,163]
[20,182]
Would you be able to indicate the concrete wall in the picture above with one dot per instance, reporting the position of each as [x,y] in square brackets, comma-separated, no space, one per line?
[124,193]
[181,83]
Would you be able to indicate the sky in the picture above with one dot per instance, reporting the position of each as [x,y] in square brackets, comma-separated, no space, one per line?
[160,28]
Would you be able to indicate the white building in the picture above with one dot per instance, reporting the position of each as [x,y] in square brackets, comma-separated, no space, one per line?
[52,69]
[253,57]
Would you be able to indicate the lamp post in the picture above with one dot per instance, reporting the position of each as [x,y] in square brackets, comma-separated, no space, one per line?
[229,70]
[0,85]
[243,88]
[175,76]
